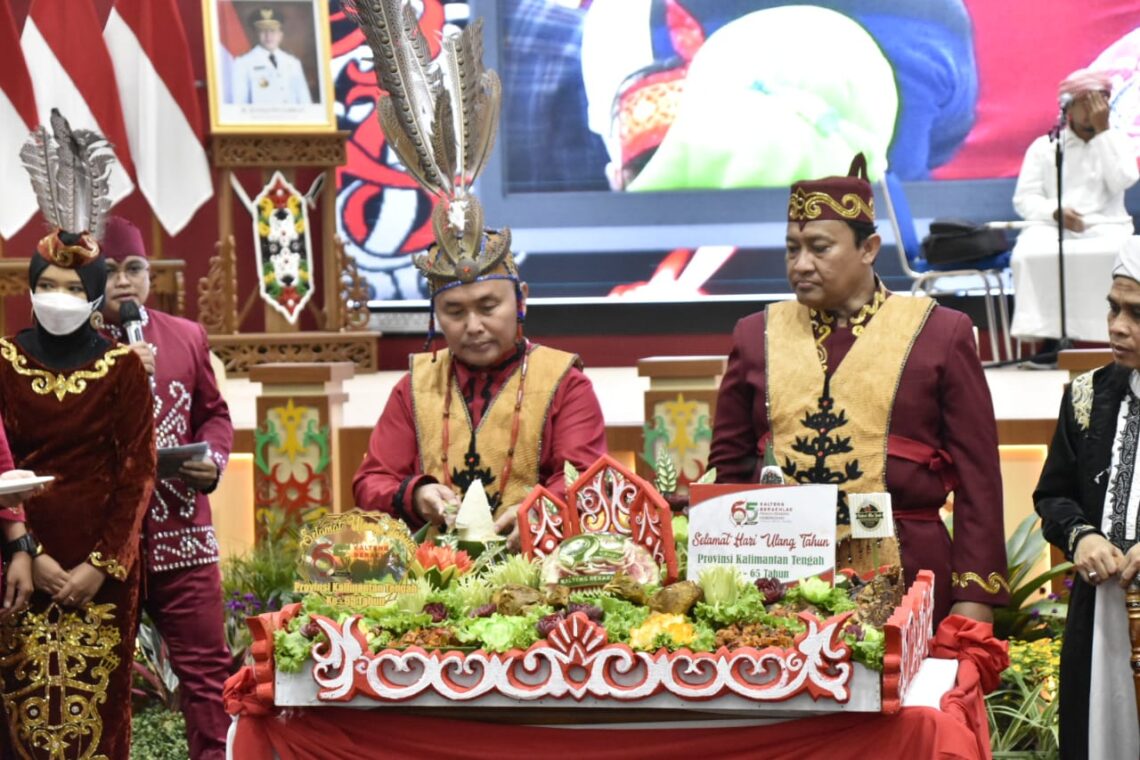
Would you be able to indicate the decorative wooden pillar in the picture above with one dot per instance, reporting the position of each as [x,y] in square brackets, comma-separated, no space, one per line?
[680,406]
[294,448]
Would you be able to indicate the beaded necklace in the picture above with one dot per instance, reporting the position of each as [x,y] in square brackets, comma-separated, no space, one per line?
[514,426]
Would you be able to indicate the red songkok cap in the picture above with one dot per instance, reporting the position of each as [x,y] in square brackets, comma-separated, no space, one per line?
[121,239]
[1084,80]
[845,199]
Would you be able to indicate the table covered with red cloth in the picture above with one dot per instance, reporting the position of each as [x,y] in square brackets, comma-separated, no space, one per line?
[958,730]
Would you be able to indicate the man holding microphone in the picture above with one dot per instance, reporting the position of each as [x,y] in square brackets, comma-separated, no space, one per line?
[182,588]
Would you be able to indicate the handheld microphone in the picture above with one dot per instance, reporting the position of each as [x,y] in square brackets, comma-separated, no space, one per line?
[1063,102]
[131,319]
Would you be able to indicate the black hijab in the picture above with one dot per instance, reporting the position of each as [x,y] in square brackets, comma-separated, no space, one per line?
[85,345]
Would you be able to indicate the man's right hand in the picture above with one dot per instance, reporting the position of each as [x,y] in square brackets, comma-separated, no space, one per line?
[1073,220]
[436,503]
[1096,559]
[145,354]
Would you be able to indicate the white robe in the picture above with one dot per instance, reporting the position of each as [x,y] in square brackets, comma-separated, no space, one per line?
[1096,174]
[1113,728]
[258,82]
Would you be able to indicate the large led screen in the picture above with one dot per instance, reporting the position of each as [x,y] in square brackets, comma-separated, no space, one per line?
[645,145]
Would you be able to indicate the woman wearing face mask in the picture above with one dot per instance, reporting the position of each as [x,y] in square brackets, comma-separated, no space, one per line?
[76,407]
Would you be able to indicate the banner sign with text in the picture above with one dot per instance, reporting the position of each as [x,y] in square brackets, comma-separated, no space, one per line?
[785,532]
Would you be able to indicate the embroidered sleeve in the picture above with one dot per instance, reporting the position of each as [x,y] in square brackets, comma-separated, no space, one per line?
[109,565]
[1081,390]
[994,584]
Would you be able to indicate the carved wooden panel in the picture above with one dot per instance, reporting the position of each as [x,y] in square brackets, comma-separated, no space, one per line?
[241,352]
[278,151]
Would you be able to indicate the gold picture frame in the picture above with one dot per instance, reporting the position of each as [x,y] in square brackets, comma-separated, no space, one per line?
[268,66]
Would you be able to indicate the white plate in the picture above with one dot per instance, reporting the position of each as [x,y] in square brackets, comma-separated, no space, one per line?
[18,485]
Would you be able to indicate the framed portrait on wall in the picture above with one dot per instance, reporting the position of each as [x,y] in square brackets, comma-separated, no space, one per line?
[267,64]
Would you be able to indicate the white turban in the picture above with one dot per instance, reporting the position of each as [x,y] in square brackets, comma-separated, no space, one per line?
[1128,260]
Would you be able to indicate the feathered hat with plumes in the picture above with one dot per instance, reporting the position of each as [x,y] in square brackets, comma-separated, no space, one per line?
[69,169]
[440,117]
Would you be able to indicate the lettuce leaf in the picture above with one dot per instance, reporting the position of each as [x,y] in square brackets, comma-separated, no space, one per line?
[621,617]
[870,650]
[290,650]
[498,633]
[747,606]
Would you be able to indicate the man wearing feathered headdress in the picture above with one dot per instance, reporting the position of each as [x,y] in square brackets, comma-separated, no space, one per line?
[874,392]
[492,406]
[1099,165]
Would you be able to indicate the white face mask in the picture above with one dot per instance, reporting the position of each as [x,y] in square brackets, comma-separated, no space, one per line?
[61,314]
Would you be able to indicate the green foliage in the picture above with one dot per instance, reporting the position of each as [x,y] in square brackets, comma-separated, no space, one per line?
[665,472]
[820,593]
[681,541]
[157,732]
[260,580]
[1030,615]
[153,681]
[621,617]
[1022,711]
[870,650]
[498,633]
[290,650]
[569,473]
[516,570]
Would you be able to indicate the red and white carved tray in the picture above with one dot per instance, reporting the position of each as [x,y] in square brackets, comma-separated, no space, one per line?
[576,665]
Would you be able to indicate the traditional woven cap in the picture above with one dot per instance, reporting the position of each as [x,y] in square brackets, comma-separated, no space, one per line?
[846,199]
[1127,262]
[266,18]
[122,239]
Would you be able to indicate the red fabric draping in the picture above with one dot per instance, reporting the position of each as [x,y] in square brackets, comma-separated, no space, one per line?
[329,732]
[981,659]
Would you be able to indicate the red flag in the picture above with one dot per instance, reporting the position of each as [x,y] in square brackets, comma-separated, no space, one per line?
[17,119]
[151,59]
[73,72]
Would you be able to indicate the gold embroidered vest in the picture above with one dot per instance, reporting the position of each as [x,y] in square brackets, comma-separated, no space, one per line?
[836,431]
[545,369]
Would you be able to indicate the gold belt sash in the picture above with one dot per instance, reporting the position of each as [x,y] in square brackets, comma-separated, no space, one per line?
[836,431]
[545,369]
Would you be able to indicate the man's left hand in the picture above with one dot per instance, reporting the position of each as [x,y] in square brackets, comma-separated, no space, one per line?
[974,610]
[508,524]
[199,475]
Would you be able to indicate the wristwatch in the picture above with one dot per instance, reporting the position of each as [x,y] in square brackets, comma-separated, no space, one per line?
[25,543]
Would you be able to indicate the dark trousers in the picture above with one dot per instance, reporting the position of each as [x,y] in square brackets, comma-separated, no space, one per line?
[186,605]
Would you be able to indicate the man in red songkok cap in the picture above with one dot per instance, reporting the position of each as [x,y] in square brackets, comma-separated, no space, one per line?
[1099,165]
[183,584]
[899,376]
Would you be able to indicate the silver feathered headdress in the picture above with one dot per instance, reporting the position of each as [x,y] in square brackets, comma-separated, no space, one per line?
[69,170]
[440,117]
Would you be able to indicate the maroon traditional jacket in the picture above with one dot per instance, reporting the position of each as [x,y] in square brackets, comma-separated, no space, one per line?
[943,402]
[188,408]
[392,469]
